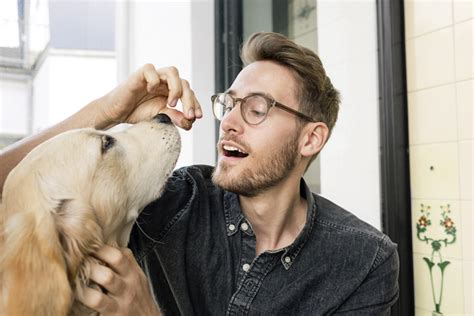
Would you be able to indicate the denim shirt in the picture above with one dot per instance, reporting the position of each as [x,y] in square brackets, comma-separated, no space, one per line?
[198,252]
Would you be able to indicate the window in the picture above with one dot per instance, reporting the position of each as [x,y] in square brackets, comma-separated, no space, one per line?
[24,34]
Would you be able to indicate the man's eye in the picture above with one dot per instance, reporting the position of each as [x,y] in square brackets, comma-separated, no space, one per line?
[257,113]
[107,143]
[227,108]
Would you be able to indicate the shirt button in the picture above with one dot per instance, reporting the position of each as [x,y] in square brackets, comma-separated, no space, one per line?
[231,227]
[244,226]
[287,259]
[246,267]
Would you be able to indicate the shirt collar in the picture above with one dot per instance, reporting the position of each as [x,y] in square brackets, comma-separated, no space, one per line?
[234,216]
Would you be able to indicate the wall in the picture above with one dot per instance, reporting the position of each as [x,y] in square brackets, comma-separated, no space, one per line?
[15,95]
[181,34]
[439,54]
[350,167]
[68,80]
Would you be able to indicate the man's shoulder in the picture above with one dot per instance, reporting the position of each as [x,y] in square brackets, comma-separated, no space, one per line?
[203,172]
[333,217]
[191,181]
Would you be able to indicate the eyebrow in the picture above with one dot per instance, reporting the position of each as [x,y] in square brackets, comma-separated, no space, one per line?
[232,92]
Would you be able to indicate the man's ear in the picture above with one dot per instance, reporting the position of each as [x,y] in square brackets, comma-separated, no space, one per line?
[314,138]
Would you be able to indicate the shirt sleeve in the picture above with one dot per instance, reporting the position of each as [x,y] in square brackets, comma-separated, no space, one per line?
[379,291]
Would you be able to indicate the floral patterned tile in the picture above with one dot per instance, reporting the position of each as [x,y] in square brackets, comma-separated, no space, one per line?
[436,229]
[439,288]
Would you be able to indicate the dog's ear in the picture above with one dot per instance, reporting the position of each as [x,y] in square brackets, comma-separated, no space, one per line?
[34,280]
[80,236]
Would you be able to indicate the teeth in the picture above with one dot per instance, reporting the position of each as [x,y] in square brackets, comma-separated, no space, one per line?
[232,148]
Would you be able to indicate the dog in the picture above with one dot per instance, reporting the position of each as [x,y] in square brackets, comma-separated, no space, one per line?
[69,196]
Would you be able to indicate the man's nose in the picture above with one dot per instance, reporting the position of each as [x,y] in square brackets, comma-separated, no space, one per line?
[233,121]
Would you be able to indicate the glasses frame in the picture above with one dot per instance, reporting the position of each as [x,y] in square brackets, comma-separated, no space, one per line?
[270,104]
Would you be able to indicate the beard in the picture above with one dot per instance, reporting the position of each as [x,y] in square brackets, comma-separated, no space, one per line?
[264,174]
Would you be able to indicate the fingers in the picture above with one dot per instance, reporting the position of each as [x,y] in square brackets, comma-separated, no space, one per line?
[179,89]
[171,76]
[191,106]
[152,79]
[97,300]
[114,258]
[127,290]
[159,90]
[107,278]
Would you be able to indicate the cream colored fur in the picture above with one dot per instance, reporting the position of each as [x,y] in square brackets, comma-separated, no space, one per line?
[66,199]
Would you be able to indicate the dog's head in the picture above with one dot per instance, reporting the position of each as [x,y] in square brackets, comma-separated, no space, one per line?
[113,174]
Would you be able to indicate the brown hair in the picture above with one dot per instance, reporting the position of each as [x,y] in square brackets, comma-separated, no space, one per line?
[318,98]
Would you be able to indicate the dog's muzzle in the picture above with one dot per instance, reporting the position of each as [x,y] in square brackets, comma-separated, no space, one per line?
[162,118]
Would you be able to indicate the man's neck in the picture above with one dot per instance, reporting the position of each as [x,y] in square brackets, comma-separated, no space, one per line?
[277,215]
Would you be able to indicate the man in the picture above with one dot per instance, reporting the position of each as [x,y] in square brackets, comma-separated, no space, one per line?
[247,237]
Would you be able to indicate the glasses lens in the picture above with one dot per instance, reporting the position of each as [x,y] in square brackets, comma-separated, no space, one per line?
[221,104]
[255,109]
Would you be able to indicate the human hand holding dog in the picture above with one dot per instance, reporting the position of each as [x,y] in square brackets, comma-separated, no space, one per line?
[146,93]
[128,292]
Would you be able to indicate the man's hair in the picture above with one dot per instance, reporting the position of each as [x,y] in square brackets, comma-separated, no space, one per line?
[317,96]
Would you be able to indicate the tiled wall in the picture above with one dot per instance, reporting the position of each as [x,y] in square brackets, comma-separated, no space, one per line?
[439,55]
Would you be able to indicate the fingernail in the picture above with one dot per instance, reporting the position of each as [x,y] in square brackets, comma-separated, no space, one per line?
[191,113]
[173,102]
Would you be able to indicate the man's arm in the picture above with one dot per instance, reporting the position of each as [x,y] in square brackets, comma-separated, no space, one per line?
[143,95]
[379,291]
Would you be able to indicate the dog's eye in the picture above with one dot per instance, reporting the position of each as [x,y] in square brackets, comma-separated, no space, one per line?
[107,143]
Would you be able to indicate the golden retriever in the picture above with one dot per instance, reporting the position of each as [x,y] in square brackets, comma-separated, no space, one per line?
[70,195]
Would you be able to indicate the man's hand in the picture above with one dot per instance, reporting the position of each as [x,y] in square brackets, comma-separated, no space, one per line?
[148,92]
[128,292]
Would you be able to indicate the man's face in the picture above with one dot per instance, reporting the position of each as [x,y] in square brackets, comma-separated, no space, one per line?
[253,158]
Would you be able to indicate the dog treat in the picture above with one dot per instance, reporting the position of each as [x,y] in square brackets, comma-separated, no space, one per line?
[187,124]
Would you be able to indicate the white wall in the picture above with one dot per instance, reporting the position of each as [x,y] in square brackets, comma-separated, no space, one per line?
[14,105]
[350,167]
[67,81]
[181,34]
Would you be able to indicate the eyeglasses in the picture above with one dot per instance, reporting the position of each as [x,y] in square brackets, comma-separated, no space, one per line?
[254,108]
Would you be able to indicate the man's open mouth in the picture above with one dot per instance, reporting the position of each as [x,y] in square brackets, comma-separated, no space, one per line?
[231,151]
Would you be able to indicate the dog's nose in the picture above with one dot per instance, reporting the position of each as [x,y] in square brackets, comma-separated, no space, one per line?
[163,118]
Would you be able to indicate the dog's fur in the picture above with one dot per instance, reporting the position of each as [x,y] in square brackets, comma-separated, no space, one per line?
[68,197]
